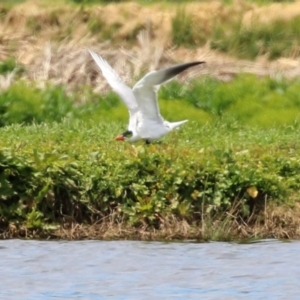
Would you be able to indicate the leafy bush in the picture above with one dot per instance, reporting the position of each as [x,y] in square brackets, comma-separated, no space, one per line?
[75,171]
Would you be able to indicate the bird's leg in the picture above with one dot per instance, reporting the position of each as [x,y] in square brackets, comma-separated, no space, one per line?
[148,142]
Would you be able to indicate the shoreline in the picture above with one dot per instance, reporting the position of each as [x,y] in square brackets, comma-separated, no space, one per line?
[276,222]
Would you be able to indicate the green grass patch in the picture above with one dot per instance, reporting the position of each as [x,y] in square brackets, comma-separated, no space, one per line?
[23,103]
[248,100]
[9,65]
[262,102]
[26,104]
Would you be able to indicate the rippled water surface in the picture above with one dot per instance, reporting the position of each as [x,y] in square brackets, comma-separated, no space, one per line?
[148,270]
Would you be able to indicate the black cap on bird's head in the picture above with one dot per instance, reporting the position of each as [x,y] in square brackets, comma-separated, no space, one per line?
[124,135]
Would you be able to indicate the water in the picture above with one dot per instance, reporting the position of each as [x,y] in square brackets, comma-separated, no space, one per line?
[148,270]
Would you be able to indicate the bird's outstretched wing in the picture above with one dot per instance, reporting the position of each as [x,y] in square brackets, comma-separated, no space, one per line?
[124,91]
[145,90]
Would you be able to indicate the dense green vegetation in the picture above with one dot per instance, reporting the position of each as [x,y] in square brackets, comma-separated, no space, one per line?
[76,170]
[248,100]
[68,168]
[27,104]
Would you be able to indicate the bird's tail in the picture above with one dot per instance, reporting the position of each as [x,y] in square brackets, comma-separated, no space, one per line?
[174,125]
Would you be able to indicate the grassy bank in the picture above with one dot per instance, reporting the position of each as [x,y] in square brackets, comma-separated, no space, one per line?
[219,177]
[55,176]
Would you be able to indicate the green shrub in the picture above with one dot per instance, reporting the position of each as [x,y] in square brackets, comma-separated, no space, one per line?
[75,170]
[247,99]
[24,104]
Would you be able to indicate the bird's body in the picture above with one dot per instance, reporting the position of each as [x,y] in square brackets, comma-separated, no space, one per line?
[145,121]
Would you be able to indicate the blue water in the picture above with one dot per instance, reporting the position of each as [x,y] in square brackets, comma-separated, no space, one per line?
[149,270]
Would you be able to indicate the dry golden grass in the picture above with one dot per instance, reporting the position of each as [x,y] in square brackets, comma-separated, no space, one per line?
[275,11]
[51,41]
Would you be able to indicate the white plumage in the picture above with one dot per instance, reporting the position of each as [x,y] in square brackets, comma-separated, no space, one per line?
[145,121]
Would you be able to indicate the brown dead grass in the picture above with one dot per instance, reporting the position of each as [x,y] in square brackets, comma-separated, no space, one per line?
[52,41]
[280,222]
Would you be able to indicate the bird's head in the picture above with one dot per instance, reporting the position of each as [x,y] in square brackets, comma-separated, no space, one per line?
[124,136]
